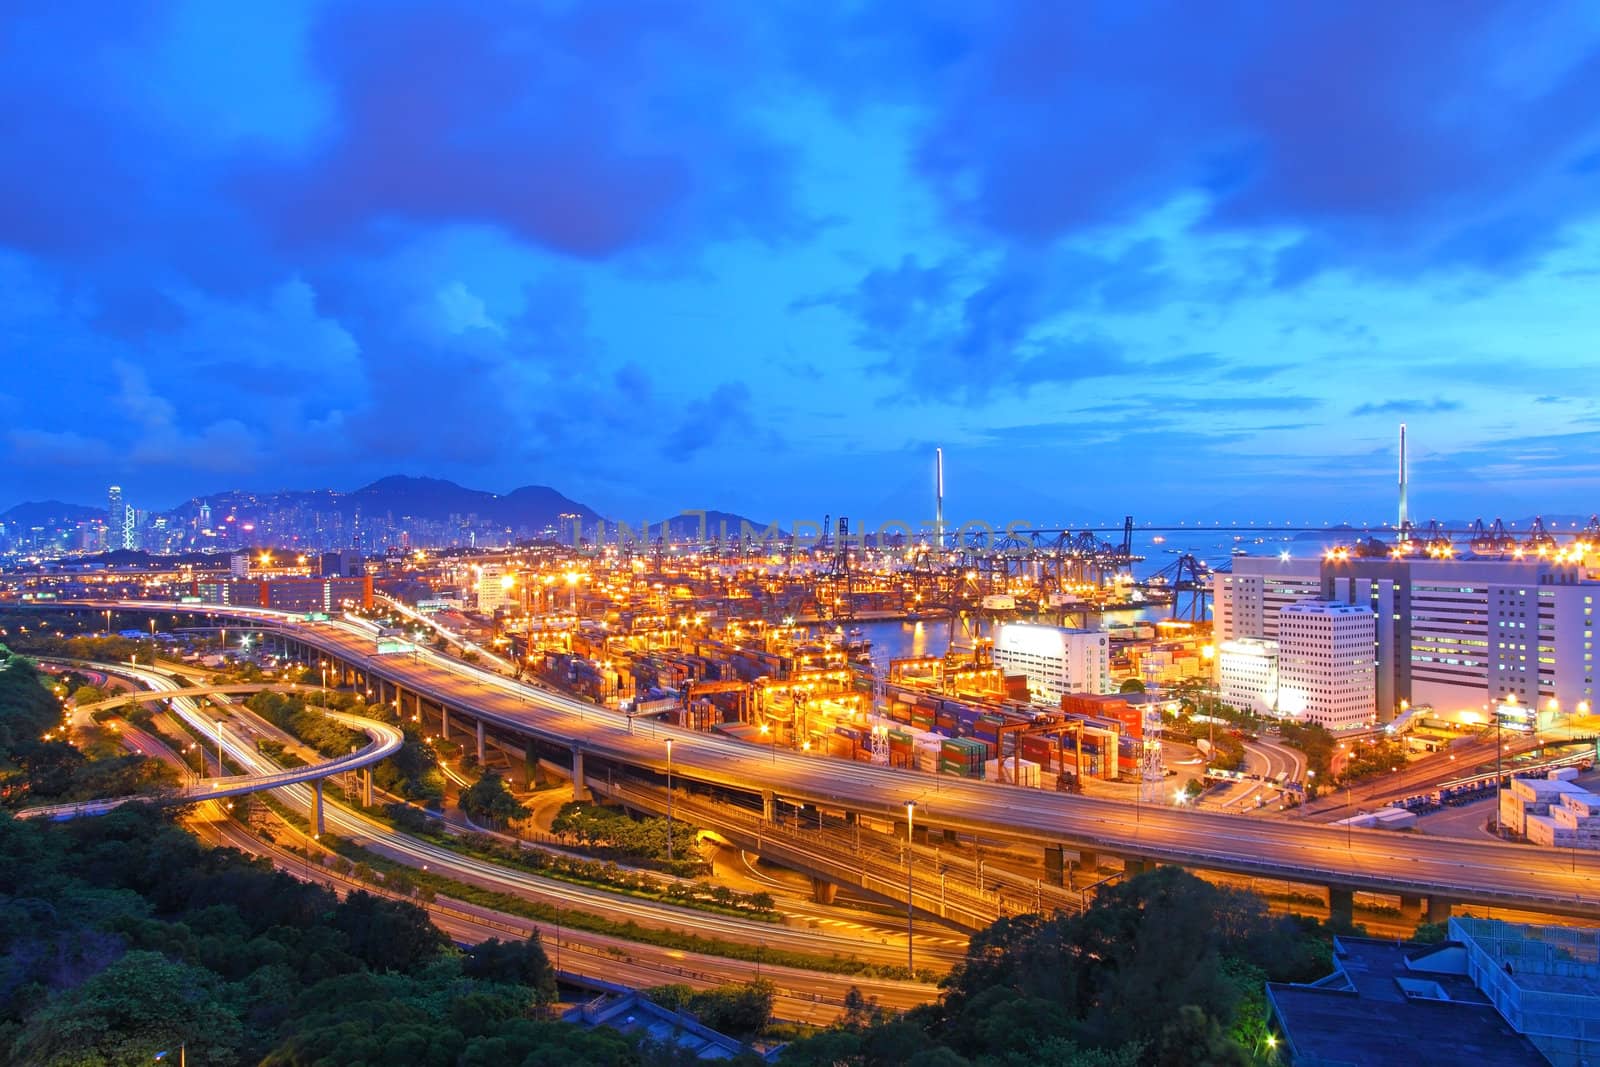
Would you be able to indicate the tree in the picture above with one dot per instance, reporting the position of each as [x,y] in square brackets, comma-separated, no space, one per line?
[139,1005]
[387,935]
[488,800]
[518,962]
[1131,685]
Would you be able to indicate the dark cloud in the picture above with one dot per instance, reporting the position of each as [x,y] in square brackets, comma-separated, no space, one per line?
[588,129]
[1394,137]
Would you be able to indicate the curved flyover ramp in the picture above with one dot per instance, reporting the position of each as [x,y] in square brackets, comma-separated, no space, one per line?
[385,742]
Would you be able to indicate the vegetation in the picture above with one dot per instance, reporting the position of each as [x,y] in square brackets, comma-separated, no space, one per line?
[123,936]
[1164,969]
[740,1010]
[697,894]
[612,832]
[1370,758]
[1317,743]
[289,712]
[489,801]
[38,765]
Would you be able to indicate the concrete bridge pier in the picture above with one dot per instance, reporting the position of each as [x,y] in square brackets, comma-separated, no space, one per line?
[316,807]
[823,892]
[1087,860]
[444,723]
[580,791]
[1055,867]
[366,788]
[1341,906]
[769,805]
[1134,867]
[1438,910]
[1410,908]
[480,742]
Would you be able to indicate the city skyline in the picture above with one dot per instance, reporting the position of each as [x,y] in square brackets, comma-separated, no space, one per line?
[1110,264]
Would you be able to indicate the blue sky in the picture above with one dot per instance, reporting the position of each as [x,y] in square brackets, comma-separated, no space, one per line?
[1189,261]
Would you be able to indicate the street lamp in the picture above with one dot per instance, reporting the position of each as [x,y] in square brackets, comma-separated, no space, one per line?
[669,800]
[911,948]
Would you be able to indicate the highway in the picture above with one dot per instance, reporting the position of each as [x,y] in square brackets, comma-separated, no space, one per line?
[385,742]
[402,848]
[579,956]
[1487,872]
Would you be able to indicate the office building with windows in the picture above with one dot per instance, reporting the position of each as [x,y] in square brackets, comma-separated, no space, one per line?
[1057,660]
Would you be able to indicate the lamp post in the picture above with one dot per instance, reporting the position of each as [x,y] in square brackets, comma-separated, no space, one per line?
[911,948]
[669,800]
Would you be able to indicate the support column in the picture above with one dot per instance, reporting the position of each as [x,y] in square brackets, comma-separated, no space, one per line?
[769,805]
[1054,866]
[366,789]
[1341,906]
[823,892]
[444,723]
[1132,868]
[1438,910]
[580,791]
[480,742]
[1088,860]
[316,807]
[1410,908]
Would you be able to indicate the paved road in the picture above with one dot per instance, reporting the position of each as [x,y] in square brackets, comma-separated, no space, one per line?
[802,995]
[386,741]
[1484,872]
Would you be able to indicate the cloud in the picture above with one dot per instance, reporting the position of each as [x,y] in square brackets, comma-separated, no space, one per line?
[1406,407]
[574,128]
[1383,138]
[51,448]
[727,414]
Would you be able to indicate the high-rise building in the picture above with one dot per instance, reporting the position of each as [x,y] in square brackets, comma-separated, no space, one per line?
[496,588]
[1246,602]
[1247,674]
[1325,672]
[122,522]
[1057,660]
[1455,634]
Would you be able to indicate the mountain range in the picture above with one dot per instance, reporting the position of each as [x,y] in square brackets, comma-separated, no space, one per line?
[528,508]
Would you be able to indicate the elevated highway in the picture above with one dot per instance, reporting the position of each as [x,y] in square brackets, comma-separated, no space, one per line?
[1345,860]
[385,741]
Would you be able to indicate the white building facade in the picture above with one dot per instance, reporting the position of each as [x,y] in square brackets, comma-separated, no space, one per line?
[1057,660]
[1325,664]
[496,588]
[1247,674]
[1454,634]
[1246,602]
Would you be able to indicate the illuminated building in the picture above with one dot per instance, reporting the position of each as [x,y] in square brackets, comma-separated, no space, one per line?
[1056,660]
[1325,670]
[1247,674]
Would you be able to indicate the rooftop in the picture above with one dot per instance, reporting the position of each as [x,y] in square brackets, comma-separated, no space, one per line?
[1395,1004]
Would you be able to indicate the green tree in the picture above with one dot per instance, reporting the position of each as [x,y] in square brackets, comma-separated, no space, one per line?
[1131,685]
[139,1005]
[488,800]
[516,962]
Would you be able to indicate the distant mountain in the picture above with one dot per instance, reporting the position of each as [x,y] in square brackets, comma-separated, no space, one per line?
[531,506]
[528,511]
[691,526]
[50,513]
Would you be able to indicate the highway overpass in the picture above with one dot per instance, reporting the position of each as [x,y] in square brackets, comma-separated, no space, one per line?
[385,741]
[1409,866]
